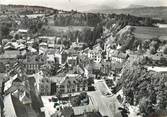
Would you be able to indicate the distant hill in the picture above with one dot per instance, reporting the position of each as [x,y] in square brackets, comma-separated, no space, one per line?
[154,12]
[136,6]
[24,9]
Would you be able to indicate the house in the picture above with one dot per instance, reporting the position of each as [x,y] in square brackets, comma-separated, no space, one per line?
[69,83]
[9,55]
[16,82]
[13,46]
[51,42]
[106,67]
[55,55]
[43,46]
[30,43]
[109,53]
[118,56]
[60,56]
[19,88]
[95,55]
[8,84]
[23,33]
[33,62]
[42,84]
[50,58]
[47,39]
[72,60]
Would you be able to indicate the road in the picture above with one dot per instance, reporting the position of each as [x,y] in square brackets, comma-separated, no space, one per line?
[36,102]
[107,105]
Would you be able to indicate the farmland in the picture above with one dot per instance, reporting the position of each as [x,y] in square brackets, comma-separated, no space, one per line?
[150,32]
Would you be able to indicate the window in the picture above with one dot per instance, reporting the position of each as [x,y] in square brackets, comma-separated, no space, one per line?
[62,90]
[73,90]
[61,86]
[78,88]
[83,88]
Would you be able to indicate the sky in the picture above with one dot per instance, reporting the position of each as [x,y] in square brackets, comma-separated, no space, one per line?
[86,4]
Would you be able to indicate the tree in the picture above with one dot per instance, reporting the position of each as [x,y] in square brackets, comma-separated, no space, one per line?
[165,49]
[145,45]
[36,45]
[16,36]
[152,50]
[4,30]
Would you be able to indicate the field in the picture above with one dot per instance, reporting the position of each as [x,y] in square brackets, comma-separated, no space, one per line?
[66,28]
[150,32]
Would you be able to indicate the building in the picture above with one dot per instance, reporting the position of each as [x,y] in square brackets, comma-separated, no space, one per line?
[118,56]
[95,54]
[42,84]
[55,56]
[43,46]
[9,56]
[48,39]
[109,53]
[30,43]
[72,60]
[33,62]
[50,58]
[51,42]
[60,56]
[22,32]
[69,83]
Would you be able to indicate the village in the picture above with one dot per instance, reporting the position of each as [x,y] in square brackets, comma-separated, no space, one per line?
[46,76]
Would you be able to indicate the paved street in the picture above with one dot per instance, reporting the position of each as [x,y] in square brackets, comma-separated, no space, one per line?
[101,86]
[107,105]
[36,102]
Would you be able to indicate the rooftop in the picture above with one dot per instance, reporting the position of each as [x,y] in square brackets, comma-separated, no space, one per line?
[119,54]
[8,84]
[9,54]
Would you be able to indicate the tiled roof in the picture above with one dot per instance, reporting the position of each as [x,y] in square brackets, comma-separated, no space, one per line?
[119,54]
[10,54]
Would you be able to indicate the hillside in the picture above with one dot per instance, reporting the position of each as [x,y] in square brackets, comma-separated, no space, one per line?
[24,9]
[154,12]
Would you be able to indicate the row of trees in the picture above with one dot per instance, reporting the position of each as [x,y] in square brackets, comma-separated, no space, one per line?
[123,20]
[4,30]
[77,19]
[34,25]
[147,89]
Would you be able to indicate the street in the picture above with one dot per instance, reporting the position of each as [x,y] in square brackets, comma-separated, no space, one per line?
[36,102]
[107,105]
